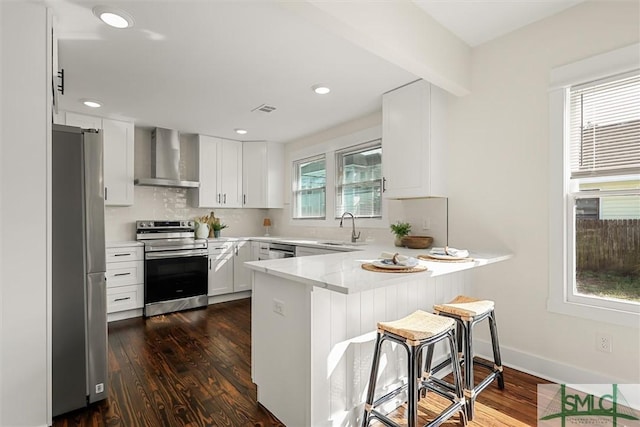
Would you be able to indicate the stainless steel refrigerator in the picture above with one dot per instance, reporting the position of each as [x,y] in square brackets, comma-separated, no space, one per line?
[79,299]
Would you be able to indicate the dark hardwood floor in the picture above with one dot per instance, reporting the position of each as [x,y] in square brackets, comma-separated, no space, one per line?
[194,369]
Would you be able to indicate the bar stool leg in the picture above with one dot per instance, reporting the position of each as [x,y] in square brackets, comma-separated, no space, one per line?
[493,327]
[467,340]
[372,380]
[457,377]
[412,379]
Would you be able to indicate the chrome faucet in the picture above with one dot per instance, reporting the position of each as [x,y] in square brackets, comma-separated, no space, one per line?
[354,236]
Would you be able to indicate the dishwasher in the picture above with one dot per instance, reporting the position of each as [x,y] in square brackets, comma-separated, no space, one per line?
[281,250]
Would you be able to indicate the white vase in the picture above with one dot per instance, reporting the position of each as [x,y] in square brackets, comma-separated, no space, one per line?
[202,232]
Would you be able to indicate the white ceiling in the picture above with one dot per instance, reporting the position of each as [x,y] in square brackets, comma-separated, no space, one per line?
[202,66]
[479,21]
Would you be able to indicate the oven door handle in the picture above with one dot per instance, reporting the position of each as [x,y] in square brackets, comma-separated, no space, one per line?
[173,254]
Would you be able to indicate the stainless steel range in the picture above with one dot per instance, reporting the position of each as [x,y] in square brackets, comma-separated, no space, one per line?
[175,266]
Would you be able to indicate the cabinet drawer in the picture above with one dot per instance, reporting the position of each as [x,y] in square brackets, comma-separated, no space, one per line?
[125,298]
[133,253]
[125,273]
[220,248]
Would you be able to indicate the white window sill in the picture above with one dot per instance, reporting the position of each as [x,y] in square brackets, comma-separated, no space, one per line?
[594,312]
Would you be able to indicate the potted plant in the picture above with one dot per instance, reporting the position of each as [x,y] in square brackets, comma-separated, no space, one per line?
[400,229]
[216,226]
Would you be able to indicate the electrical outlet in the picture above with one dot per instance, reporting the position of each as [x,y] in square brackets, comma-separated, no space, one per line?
[604,342]
[100,388]
[426,223]
[278,307]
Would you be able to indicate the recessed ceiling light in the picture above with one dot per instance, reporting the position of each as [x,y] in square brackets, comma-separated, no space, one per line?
[91,103]
[320,89]
[241,131]
[114,17]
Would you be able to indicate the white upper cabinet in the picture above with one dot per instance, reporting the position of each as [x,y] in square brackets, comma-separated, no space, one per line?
[219,173]
[230,177]
[118,162]
[263,174]
[118,137]
[413,141]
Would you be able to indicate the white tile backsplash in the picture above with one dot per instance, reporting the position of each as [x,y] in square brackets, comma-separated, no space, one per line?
[174,203]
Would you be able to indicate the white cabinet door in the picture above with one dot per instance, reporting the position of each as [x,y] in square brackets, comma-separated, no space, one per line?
[221,270]
[118,162]
[254,174]
[263,174]
[255,251]
[219,173]
[207,195]
[230,167]
[241,274]
[413,146]
[118,139]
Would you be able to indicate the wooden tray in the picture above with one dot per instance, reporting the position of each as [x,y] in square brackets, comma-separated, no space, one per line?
[432,259]
[416,269]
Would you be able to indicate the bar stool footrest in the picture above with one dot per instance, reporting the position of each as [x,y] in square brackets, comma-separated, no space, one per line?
[390,395]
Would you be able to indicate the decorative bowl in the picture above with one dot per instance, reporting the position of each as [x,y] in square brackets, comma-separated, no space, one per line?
[417,242]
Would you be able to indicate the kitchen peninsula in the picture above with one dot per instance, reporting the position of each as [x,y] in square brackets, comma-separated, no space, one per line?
[314,322]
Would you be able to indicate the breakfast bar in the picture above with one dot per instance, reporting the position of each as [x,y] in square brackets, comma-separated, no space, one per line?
[314,325]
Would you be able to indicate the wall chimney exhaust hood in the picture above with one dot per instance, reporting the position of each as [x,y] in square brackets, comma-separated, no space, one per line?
[165,161]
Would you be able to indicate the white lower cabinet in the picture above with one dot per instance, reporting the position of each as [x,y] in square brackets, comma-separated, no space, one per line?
[125,281]
[241,274]
[221,268]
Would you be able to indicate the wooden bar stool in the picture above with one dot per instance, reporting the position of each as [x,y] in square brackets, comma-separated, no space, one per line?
[415,332]
[467,311]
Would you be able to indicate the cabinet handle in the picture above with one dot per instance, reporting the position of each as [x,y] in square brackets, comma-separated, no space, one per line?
[236,249]
[209,263]
[244,199]
[384,184]
[121,254]
[218,197]
[225,199]
[105,194]
[122,274]
[121,299]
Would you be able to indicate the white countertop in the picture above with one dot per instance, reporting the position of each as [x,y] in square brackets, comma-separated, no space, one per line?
[123,244]
[336,245]
[342,272]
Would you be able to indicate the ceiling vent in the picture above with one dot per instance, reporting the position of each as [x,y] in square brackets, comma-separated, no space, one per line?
[264,108]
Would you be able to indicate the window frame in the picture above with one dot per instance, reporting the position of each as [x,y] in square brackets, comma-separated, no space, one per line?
[355,149]
[561,216]
[329,147]
[295,184]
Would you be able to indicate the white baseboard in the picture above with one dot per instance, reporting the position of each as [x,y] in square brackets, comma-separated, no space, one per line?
[121,315]
[550,370]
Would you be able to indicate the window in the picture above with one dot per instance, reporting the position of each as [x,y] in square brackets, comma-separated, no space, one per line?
[604,146]
[359,181]
[309,192]
[595,188]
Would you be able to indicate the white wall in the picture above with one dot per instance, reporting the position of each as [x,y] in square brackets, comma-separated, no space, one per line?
[23,222]
[498,189]
[172,203]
